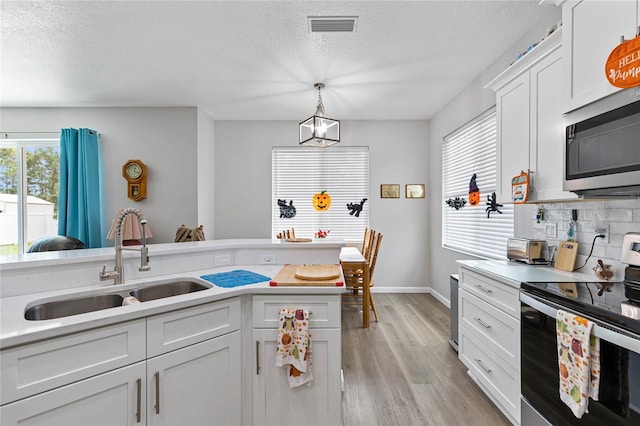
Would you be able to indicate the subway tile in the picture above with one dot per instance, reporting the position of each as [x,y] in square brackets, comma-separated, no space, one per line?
[613,253]
[623,204]
[622,228]
[614,215]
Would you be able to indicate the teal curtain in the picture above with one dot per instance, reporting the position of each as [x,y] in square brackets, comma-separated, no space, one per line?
[80,195]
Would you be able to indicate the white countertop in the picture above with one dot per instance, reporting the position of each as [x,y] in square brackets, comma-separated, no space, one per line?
[520,272]
[16,330]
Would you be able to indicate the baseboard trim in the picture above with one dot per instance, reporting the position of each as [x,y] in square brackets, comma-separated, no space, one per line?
[376,289]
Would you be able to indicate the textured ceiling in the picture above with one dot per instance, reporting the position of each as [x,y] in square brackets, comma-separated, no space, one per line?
[253,59]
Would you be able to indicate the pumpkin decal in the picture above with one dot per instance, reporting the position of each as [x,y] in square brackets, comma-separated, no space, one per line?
[474,192]
[321,201]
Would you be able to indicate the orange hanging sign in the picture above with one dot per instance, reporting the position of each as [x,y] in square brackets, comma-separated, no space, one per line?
[623,64]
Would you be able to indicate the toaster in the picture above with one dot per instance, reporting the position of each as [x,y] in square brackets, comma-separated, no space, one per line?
[532,252]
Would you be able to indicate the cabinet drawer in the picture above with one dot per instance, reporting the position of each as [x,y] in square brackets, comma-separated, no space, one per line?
[503,296]
[38,367]
[177,329]
[499,330]
[498,379]
[324,311]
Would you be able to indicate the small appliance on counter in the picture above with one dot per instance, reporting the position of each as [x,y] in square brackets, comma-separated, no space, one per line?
[532,252]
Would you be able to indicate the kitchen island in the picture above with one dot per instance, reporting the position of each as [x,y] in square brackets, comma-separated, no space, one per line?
[203,355]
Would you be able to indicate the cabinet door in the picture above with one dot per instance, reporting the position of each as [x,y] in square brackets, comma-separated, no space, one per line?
[196,385]
[547,129]
[114,398]
[275,403]
[592,29]
[512,108]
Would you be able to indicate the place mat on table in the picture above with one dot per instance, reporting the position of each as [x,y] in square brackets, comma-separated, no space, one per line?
[236,278]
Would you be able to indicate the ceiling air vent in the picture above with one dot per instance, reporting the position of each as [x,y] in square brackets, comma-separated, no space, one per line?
[332,24]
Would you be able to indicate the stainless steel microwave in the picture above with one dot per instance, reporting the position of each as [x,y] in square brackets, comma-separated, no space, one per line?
[602,147]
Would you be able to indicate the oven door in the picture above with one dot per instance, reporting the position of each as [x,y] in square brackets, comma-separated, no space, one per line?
[619,394]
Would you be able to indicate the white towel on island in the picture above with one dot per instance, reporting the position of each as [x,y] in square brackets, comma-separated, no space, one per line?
[578,362]
[294,346]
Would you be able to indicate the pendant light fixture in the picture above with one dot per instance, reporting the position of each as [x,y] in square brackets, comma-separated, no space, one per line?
[319,130]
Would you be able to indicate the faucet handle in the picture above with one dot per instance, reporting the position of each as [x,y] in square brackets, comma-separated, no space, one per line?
[108,275]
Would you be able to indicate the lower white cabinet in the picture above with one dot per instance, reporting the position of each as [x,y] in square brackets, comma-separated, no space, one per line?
[274,402]
[489,337]
[197,381]
[196,385]
[113,398]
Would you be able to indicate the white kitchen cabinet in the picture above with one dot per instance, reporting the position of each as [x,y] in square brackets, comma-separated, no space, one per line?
[547,137]
[191,375]
[530,126]
[274,402]
[512,149]
[489,337]
[113,398]
[196,385]
[592,29]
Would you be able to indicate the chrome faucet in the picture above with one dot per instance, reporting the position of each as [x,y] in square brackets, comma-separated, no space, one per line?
[117,275]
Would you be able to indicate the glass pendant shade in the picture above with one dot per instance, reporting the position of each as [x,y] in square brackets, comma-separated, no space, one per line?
[319,130]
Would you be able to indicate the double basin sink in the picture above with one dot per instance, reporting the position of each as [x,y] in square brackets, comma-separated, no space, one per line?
[97,302]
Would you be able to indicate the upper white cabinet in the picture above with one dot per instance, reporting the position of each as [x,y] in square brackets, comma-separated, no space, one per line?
[530,133]
[592,29]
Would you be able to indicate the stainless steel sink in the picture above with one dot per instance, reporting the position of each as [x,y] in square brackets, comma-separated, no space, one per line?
[75,306]
[174,288]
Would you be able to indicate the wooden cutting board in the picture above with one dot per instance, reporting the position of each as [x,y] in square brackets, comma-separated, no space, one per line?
[322,275]
[318,272]
[567,254]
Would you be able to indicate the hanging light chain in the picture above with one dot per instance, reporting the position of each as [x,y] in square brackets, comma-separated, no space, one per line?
[320,107]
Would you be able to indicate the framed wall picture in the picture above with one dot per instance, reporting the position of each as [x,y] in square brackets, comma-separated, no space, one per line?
[414,190]
[390,190]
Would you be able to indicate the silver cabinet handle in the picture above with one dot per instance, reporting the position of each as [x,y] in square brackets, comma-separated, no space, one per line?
[138,399]
[486,370]
[157,377]
[483,289]
[482,323]
[257,357]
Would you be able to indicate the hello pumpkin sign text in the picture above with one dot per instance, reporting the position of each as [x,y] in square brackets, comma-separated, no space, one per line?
[623,64]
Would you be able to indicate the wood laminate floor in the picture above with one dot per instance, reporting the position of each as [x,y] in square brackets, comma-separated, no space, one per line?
[402,370]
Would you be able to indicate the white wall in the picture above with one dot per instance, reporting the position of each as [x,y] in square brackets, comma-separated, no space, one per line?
[163,138]
[206,173]
[398,153]
[468,104]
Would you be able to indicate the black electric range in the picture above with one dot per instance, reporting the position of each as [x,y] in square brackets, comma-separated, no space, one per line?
[614,305]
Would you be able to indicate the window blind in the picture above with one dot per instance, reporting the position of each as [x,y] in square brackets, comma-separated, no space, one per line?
[300,172]
[472,149]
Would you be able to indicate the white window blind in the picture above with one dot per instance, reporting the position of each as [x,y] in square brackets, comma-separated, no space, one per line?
[472,149]
[300,172]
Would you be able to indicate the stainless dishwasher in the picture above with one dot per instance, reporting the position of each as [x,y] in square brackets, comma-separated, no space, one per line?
[453,296]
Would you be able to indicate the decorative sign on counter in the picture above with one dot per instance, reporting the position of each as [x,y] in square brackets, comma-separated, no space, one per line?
[623,64]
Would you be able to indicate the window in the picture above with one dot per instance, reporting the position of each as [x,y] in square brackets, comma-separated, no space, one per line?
[299,173]
[29,174]
[472,149]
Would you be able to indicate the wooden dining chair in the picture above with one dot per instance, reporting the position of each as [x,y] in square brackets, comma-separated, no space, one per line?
[354,279]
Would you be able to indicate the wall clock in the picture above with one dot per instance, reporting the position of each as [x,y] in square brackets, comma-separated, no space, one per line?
[135,172]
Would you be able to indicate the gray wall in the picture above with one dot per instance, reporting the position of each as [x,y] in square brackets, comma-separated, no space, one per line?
[468,104]
[163,138]
[398,153]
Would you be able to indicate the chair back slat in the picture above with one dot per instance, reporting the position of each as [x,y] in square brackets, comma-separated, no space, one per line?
[374,257]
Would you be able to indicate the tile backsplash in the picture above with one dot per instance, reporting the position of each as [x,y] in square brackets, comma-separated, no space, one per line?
[617,217]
